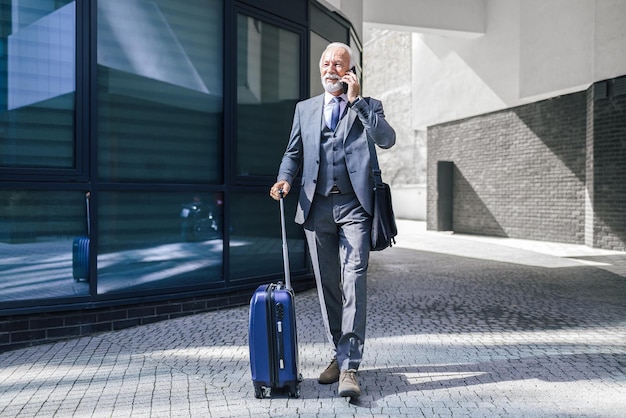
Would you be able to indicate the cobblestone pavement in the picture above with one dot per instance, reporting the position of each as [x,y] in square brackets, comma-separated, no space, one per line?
[458,326]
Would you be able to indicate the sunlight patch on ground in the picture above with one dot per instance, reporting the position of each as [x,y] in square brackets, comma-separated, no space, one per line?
[427,377]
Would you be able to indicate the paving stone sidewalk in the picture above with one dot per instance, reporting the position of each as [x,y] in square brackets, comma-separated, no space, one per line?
[459,326]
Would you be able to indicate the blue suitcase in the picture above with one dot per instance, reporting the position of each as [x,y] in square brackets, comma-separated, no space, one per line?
[272,334]
[273,341]
[80,258]
[80,249]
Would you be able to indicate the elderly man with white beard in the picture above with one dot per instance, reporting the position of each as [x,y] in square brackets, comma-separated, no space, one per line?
[330,147]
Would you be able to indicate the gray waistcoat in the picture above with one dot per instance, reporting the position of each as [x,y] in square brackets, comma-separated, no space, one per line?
[333,169]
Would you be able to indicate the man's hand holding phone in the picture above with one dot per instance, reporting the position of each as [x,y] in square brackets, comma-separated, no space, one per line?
[351,85]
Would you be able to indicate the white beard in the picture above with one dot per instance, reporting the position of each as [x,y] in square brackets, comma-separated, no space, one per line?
[330,86]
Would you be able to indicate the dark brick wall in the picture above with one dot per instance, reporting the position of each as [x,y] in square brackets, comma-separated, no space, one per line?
[17,331]
[24,330]
[608,144]
[525,172]
[518,173]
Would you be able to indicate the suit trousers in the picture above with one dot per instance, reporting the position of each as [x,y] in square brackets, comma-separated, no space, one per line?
[338,235]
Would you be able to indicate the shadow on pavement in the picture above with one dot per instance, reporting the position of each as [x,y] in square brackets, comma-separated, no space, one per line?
[377,384]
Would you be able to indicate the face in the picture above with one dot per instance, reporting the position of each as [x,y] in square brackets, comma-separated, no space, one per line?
[334,65]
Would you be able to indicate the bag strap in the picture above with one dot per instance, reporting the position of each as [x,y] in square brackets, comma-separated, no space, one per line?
[378,180]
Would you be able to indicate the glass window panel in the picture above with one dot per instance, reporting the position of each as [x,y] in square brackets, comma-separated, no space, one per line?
[37,83]
[255,238]
[37,231]
[268,76]
[318,44]
[154,240]
[160,90]
[356,50]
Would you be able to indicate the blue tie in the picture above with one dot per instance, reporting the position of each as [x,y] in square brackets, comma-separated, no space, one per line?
[334,120]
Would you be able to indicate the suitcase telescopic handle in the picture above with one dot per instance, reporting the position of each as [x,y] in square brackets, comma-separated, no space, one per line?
[284,237]
[87,197]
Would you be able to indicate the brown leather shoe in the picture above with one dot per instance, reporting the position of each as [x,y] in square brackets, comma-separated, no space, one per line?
[331,374]
[348,386]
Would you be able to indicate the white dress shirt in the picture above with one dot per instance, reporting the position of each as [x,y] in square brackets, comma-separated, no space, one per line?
[328,106]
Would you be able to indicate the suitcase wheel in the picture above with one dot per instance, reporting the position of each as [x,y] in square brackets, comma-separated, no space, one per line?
[294,391]
[259,392]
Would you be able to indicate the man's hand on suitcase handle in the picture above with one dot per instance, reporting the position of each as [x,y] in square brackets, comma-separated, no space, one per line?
[280,189]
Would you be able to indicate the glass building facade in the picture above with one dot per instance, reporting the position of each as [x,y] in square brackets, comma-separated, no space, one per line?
[138,142]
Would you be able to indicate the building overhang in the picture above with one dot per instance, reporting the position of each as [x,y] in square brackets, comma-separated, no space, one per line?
[467,19]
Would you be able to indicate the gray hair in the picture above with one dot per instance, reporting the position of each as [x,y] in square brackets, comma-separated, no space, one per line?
[338,45]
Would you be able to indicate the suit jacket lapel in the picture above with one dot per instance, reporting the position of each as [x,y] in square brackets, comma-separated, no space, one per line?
[315,119]
[350,117]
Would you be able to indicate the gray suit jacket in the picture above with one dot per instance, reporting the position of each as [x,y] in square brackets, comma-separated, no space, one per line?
[365,119]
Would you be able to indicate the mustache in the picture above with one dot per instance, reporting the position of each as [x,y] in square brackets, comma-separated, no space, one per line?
[333,77]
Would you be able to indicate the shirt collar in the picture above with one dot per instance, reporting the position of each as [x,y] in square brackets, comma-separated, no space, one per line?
[328,97]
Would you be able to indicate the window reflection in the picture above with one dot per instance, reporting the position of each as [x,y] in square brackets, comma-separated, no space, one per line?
[268,76]
[160,91]
[137,38]
[152,240]
[201,221]
[318,44]
[36,238]
[37,83]
[255,239]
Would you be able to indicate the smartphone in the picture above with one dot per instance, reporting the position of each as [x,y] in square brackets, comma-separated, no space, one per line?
[345,85]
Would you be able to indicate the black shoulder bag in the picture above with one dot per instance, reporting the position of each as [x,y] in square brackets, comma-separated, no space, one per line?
[384,227]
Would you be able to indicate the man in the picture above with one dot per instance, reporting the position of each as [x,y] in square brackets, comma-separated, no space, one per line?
[336,201]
